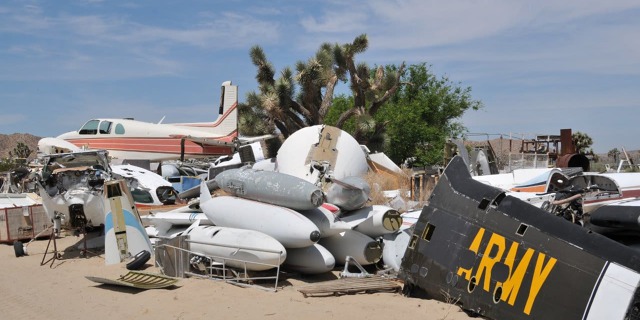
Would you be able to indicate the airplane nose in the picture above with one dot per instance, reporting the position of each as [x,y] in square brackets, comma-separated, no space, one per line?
[315,236]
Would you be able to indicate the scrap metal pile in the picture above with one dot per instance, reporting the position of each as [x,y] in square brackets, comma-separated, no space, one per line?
[309,204]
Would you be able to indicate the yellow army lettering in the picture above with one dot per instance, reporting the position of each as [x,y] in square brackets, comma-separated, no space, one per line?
[493,253]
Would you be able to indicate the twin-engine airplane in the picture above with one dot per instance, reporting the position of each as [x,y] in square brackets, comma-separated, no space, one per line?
[128,139]
[503,258]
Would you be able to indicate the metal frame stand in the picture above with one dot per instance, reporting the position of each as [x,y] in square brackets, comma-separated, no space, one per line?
[56,254]
[346,274]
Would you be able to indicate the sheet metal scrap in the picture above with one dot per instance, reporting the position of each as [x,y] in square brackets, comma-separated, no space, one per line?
[139,280]
[351,286]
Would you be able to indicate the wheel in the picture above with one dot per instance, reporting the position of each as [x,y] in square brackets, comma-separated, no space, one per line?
[407,290]
[18,248]
[139,260]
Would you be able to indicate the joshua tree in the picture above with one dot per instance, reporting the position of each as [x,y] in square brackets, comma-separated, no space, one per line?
[582,142]
[615,154]
[288,110]
[20,151]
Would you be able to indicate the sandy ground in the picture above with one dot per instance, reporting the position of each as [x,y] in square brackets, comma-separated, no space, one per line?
[61,291]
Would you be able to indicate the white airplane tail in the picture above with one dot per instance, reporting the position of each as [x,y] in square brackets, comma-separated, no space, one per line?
[227,121]
[125,237]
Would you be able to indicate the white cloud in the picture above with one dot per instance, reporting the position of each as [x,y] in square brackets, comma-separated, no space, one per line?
[108,46]
[418,23]
[336,22]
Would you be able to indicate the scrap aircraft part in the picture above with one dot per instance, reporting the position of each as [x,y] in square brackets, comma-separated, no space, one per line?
[481,163]
[50,145]
[194,192]
[139,280]
[409,218]
[380,162]
[238,248]
[506,259]
[395,244]
[125,236]
[265,165]
[147,187]
[374,220]
[610,188]
[313,152]
[71,187]
[326,221]
[350,193]
[164,231]
[314,259]
[361,247]
[289,227]
[247,154]
[165,223]
[622,216]
[270,187]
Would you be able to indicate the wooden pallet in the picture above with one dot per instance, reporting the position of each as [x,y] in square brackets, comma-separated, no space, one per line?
[351,286]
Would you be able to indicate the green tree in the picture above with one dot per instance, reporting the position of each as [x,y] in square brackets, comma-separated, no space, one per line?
[423,114]
[6,164]
[21,151]
[582,142]
[288,109]
[615,154]
[280,104]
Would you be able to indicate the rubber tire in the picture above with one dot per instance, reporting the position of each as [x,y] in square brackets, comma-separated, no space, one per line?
[407,290]
[139,260]
[18,248]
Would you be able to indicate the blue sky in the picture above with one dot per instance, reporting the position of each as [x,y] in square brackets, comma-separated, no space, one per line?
[538,66]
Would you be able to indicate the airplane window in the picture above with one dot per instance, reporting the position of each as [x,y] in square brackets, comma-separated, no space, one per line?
[114,191]
[498,199]
[484,204]
[521,229]
[497,294]
[166,194]
[91,127]
[119,129]
[428,232]
[105,127]
[472,284]
[141,196]
[413,242]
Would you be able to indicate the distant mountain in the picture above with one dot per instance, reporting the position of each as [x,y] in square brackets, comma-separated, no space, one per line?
[9,141]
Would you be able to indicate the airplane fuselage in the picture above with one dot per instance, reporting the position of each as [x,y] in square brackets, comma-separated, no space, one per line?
[137,140]
[504,259]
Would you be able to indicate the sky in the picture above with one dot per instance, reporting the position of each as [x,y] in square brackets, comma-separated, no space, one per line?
[537,66]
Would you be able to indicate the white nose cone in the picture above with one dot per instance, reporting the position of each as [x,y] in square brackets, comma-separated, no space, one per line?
[362,248]
[314,259]
[313,151]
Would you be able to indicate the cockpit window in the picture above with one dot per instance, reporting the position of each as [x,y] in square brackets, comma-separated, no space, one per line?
[119,129]
[105,127]
[141,196]
[91,127]
[166,194]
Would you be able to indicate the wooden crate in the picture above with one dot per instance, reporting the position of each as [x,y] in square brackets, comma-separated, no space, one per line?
[23,223]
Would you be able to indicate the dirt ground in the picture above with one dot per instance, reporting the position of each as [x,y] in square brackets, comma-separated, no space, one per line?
[60,290]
